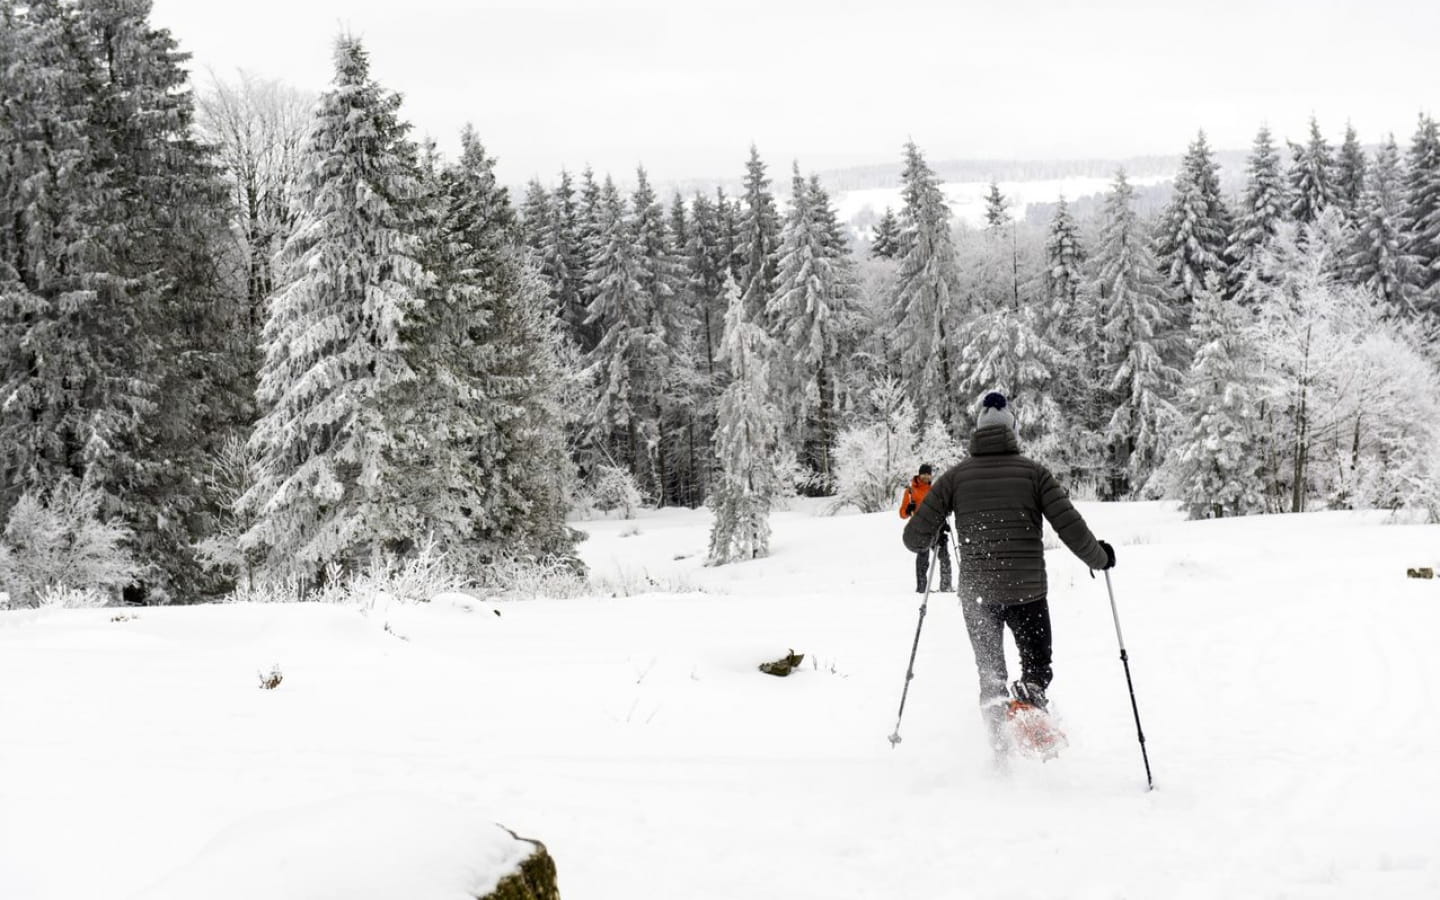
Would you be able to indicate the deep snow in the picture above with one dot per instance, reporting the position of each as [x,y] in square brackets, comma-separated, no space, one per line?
[1284,666]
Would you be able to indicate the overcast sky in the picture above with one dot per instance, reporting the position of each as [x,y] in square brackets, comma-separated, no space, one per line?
[686,88]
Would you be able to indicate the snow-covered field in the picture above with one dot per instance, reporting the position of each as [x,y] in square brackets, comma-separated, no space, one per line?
[1286,672]
[967,198]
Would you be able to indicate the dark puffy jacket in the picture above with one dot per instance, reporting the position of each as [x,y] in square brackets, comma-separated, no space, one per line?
[998,497]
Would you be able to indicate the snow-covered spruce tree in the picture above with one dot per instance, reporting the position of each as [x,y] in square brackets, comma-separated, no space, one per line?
[478,462]
[1064,263]
[1379,259]
[885,237]
[1138,336]
[1350,177]
[1422,213]
[619,365]
[746,443]
[812,291]
[758,228]
[1195,228]
[121,358]
[1213,467]
[1263,206]
[924,301]
[336,361]
[707,267]
[535,216]
[1071,327]
[1312,177]
[562,262]
[997,208]
[1010,350]
[663,384]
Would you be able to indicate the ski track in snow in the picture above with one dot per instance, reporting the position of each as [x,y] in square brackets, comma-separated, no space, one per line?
[1284,669]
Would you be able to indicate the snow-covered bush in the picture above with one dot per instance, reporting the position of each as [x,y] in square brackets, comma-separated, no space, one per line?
[58,596]
[414,578]
[613,489]
[59,540]
[529,577]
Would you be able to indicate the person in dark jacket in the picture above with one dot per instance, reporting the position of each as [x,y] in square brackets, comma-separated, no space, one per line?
[914,496]
[998,498]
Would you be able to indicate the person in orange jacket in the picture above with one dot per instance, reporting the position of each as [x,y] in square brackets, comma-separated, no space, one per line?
[914,496]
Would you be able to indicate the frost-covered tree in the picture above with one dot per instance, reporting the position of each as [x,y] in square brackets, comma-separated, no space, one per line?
[1312,177]
[1379,259]
[1215,457]
[1422,212]
[58,538]
[535,215]
[258,128]
[122,351]
[1302,315]
[1138,334]
[1263,206]
[813,288]
[885,237]
[335,349]
[877,454]
[707,268]
[562,261]
[1071,325]
[924,301]
[1195,228]
[1350,176]
[478,463]
[1010,350]
[618,364]
[997,208]
[758,227]
[1064,262]
[746,443]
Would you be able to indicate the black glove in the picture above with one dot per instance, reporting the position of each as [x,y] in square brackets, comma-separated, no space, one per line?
[910,510]
[1109,554]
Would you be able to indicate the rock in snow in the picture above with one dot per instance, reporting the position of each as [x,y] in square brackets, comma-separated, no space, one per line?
[366,847]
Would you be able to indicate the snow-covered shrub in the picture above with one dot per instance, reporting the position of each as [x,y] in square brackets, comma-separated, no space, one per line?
[613,489]
[414,578]
[58,539]
[58,596]
[529,577]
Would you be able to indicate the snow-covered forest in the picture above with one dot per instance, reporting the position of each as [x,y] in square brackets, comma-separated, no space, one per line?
[253,340]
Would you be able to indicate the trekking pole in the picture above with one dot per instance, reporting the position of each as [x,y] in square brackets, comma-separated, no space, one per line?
[910,669]
[1125,659]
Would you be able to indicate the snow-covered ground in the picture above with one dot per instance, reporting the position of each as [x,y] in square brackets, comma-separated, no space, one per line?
[1286,672]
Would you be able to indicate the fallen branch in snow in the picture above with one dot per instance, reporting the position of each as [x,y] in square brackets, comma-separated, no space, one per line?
[784,665]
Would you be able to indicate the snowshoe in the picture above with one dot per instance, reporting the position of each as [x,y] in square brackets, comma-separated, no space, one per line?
[1032,732]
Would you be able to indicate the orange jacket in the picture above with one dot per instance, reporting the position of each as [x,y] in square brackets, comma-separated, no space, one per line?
[914,493]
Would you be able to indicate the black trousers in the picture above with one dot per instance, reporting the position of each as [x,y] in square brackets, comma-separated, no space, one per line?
[922,564]
[1029,625]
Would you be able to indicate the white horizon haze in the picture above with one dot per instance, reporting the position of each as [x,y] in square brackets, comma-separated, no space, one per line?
[686,89]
